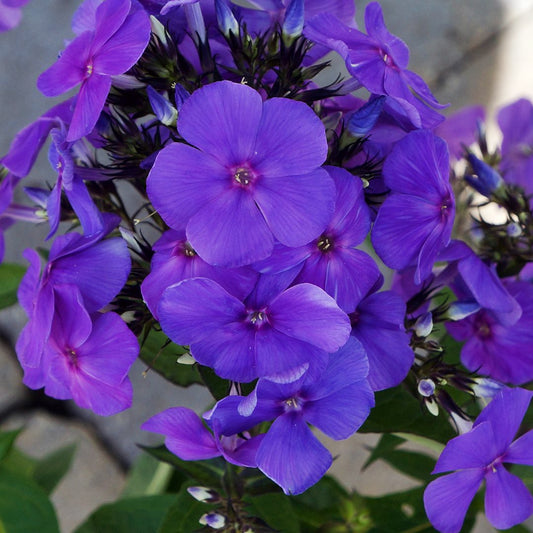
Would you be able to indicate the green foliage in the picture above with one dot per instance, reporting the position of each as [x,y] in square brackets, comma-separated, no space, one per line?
[413,464]
[133,515]
[148,476]
[24,506]
[207,473]
[276,510]
[10,276]
[162,358]
[218,387]
[397,411]
[7,439]
[49,471]
[184,514]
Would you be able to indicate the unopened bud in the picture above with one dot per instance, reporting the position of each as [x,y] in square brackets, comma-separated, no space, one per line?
[214,520]
[486,180]
[514,230]
[424,325]
[202,494]
[293,24]
[426,387]
[460,310]
[225,18]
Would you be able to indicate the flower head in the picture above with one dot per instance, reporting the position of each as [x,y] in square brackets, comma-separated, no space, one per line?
[480,455]
[251,175]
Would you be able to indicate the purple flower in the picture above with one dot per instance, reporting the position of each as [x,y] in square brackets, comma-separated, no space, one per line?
[189,439]
[175,260]
[516,123]
[337,403]
[10,13]
[480,455]
[461,129]
[86,358]
[61,158]
[378,324]
[98,267]
[251,175]
[415,221]
[28,142]
[275,334]
[331,262]
[498,350]
[378,61]
[108,44]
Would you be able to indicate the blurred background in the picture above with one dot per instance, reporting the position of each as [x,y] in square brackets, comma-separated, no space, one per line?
[468,51]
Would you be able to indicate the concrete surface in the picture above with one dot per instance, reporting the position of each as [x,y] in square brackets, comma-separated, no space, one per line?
[469,51]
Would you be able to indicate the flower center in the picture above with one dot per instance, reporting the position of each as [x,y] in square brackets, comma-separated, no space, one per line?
[293,404]
[354,318]
[188,250]
[72,356]
[243,176]
[325,243]
[89,70]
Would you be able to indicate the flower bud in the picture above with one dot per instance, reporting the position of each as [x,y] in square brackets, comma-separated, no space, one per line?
[214,520]
[202,494]
[460,310]
[293,23]
[485,179]
[424,325]
[363,120]
[426,387]
[225,18]
[161,107]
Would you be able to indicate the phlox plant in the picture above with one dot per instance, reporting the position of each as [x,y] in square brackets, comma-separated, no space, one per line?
[314,254]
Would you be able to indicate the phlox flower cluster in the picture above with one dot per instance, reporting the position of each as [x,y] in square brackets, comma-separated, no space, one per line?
[270,211]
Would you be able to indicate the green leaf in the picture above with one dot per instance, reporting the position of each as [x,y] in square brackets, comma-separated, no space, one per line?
[49,471]
[163,359]
[217,386]
[10,276]
[19,463]
[148,476]
[24,506]
[208,473]
[7,439]
[385,445]
[184,514]
[396,411]
[133,515]
[276,510]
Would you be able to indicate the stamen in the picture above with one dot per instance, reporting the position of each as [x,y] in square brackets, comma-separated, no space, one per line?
[243,176]
[324,243]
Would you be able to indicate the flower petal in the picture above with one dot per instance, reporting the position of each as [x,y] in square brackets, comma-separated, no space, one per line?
[447,499]
[507,500]
[291,455]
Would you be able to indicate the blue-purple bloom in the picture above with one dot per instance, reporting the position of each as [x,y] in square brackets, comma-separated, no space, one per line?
[98,267]
[175,260]
[480,455]
[111,36]
[378,324]
[251,175]
[86,357]
[516,123]
[332,261]
[378,61]
[189,439]
[278,334]
[498,350]
[415,221]
[10,13]
[336,403]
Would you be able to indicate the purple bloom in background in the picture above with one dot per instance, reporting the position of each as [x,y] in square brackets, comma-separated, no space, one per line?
[516,123]
[480,455]
[415,221]
[111,37]
[10,13]
[252,175]
[331,262]
[189,439]
[496,349]
[28,142]
[461,129]
[337,403]
[98,267]
[86,358]
[378,324]
[284,334]
[175,260]
[61,158]
[378,61]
